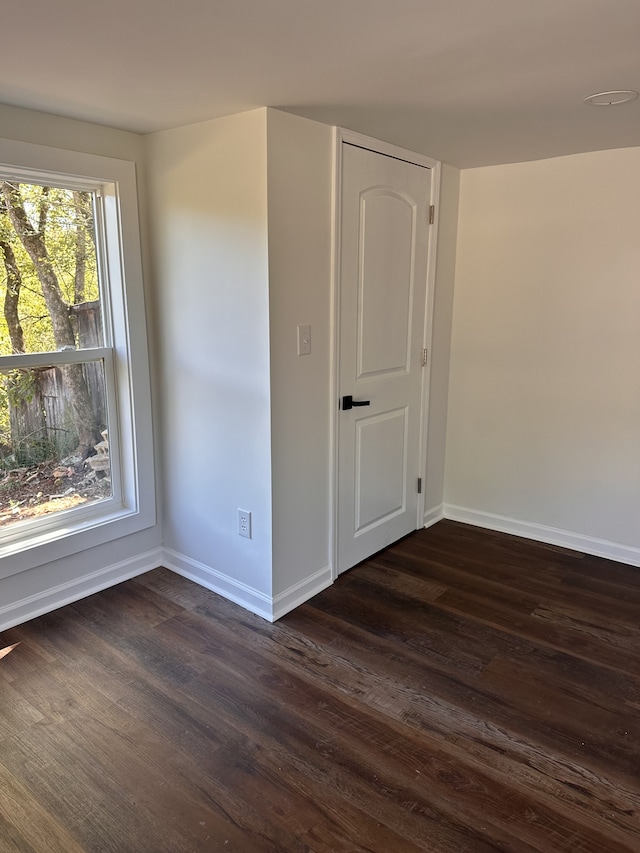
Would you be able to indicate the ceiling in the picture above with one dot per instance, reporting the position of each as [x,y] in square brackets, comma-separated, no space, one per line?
[470,82]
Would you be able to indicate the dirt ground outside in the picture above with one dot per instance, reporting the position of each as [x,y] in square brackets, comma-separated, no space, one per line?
[40,490]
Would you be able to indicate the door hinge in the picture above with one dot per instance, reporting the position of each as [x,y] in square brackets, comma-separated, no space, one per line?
[419,485]
[432,214]
[425,357]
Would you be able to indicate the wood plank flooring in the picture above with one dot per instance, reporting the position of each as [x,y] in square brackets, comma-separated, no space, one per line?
[463,691]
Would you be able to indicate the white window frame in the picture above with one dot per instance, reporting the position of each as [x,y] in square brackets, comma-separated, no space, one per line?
[131,508]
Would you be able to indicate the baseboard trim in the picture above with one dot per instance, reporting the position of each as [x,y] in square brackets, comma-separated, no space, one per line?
[433,515]
[301,592]
[66,593]
[541,533]
[226,586]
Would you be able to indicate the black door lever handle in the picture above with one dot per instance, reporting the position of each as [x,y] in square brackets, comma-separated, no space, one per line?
[349,403]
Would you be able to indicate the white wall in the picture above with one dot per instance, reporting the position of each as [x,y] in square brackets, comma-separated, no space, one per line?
[62,577]
[241,218]
[300,216]
[44,129]
[441,342]
[544,412]
[543,382]
[208,204]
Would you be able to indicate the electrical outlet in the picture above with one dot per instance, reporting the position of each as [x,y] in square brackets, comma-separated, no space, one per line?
[244,523]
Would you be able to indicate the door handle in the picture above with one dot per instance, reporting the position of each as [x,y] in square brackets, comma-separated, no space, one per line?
[349,403]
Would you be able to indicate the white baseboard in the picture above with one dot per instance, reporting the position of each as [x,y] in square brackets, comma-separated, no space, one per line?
[431,516]
[226,586]
[248,597]
[274,608]
[301,592]
[541,533]
[57,596]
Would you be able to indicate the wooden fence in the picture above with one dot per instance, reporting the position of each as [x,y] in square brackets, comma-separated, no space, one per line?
[45,419]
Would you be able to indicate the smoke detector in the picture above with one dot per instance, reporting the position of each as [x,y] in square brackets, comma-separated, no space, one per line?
[611,99]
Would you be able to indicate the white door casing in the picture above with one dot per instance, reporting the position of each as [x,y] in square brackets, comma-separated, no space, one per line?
[383,271]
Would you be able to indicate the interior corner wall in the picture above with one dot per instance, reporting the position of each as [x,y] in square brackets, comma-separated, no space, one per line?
[208,210]
[544,403]
[65,578]
[300,158]
[441,341]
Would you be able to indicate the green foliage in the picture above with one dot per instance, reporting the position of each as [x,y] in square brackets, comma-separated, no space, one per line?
[34,449]
[20,386]
[69,219]
[66,221]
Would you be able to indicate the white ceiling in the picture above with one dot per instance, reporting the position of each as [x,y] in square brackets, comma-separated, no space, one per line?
[471,82]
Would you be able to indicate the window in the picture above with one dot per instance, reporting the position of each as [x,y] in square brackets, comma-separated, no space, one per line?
[76,460]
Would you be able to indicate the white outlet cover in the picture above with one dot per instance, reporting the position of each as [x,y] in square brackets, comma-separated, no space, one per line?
[244,523]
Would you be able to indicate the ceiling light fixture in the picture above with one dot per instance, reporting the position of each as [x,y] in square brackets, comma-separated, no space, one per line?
[610,99]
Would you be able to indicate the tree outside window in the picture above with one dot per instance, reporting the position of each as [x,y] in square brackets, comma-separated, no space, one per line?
[54,437]
[76,440]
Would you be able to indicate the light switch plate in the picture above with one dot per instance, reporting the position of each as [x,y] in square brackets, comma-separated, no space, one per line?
[304,339]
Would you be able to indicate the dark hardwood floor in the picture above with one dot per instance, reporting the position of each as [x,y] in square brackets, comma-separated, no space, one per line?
[462,691]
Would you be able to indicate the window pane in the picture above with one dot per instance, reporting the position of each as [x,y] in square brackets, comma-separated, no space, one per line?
[49,291]
[42,426]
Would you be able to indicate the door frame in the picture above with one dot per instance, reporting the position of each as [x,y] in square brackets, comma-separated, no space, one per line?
[341,136]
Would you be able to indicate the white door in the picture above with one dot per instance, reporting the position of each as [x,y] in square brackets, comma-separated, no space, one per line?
[383,281]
